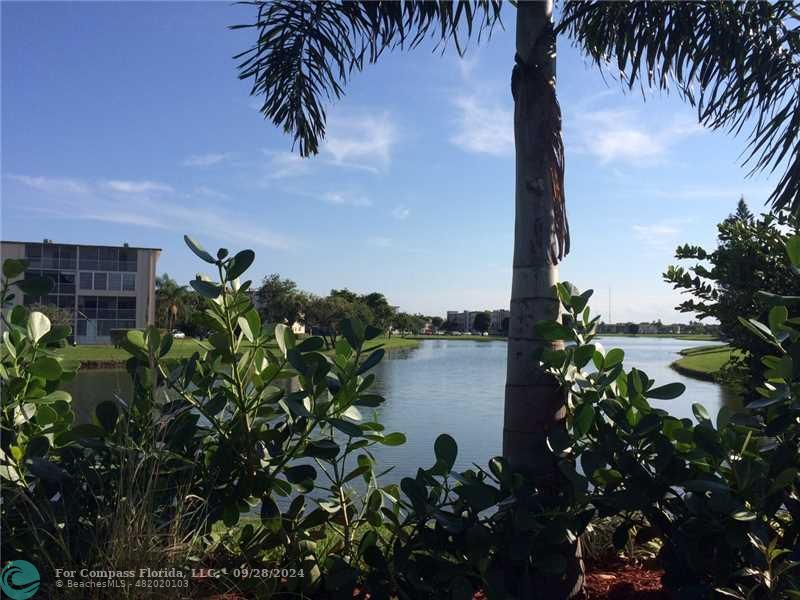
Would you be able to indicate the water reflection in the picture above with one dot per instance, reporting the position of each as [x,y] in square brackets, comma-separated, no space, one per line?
[456,387]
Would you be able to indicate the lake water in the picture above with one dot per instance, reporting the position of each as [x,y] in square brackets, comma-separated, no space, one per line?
[456,387]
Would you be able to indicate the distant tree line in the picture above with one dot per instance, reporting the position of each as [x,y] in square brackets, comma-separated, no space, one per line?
[280,300]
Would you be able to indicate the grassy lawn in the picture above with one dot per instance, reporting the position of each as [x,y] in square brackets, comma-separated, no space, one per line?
[704,362]
[106,354]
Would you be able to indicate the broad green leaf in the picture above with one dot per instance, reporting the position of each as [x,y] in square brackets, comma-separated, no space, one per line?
[38,326]
[579,302]
[12,267]
[35,286]
[759,329]
[393,439]
[56,334]
[777,317]
[206,288]
[46,367]
[300,473]
[583,354]
[270,514]
[284,336]
[240,263]
[446,449]
[700,412]
[793,250]
[347,427]
[56,396]
[311,344]
[352,413]
[19,316]
[198,250]
[551,330]
[584,419]
[372,360]
[613,357]
[244,325]
[666,392]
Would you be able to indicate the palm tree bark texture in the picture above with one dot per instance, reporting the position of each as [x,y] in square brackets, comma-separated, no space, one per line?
[534,403]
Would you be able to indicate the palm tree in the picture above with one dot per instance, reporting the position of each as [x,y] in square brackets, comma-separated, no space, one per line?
[736,62]
[171,300]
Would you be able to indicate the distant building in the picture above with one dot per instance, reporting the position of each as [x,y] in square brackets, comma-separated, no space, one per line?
[464,320]
[499,321]
[104,287]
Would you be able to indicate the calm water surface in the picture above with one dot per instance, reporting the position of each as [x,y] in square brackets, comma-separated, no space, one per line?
[456,387]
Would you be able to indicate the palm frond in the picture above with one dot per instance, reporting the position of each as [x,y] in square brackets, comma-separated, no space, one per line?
[738,63]
[306,51]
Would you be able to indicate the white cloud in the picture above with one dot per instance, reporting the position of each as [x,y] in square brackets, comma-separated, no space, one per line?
[655,230]
[466,65]
[140,204]
[483,127]
[345,199]
[205,160]
[755,194]
[379,242]
[51,184]
[360,141]
[286,164]
[400,212]
[208,192]
[620,136]
[661,236]
[137,187]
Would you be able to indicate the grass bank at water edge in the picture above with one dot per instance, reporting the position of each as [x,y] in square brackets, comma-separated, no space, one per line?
[107,356]
[704,362]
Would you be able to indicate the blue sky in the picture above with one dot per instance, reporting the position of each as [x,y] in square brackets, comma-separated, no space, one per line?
[127,123]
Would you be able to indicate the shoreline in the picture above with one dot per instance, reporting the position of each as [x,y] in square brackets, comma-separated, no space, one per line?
[703,362]
[91,357]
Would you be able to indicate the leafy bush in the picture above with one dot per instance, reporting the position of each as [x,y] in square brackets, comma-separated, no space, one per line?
[721,494]
[256,452]
[723,283]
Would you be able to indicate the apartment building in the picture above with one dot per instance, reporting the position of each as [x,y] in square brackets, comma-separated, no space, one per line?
[464,320]
[105,287]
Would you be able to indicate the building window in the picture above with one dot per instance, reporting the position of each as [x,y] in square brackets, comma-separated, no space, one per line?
[115,281]
[49,256]
[88,258]
[87,307]
[100,281]
[128,282]
[86,281]
[126,308]
[109,258]
[33,252]
[127,259]
[66,283]
[67,258]
[107,307]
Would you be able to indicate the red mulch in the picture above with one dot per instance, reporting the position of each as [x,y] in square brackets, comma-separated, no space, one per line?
[611,581]
[623,581]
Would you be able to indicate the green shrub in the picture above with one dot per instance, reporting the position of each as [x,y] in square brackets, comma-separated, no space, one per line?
[721,494]
[248,456]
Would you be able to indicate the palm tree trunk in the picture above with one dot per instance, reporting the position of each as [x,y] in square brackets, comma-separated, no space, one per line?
[534,405]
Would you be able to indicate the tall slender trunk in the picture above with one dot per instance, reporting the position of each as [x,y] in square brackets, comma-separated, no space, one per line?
[534,405]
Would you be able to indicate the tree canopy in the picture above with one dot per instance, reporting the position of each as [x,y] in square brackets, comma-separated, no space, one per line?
[738,63]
